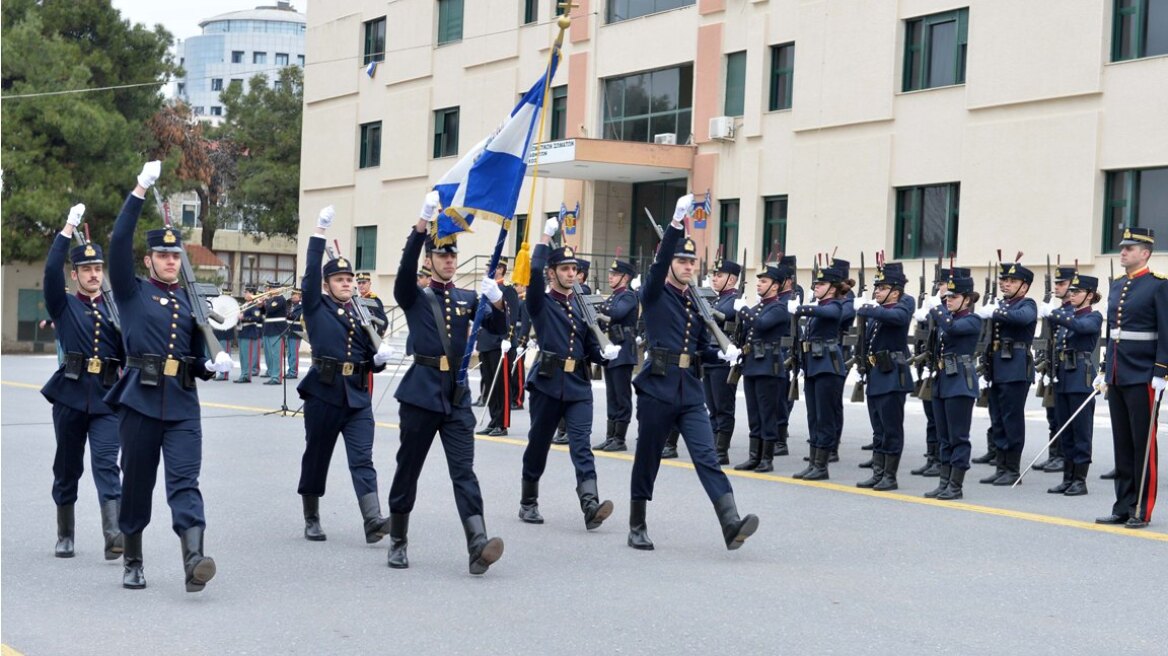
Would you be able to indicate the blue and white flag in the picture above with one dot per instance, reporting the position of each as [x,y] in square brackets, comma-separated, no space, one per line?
[486,181]
[371,68]
[700,210]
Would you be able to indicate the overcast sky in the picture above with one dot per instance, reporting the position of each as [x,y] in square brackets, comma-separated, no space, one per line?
[182,18]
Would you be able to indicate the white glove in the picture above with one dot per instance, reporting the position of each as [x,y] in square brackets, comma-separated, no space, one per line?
[489,288]
[149,174]
[933,301]
[222,364]
[636,283]
[383,355]
[792,305]
[610,352]
[730,355]
[740,304]
[708,282]
[1100,382]
[551,227]
[982,383]
[1158,384]
[921,315]
[682,209]
[532,345]
[640,340]
[505,345]
[860,302]
[326,217]
[75,214]
[985,311]
[429,207]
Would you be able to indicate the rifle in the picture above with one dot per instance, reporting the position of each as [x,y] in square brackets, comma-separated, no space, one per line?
[732,325]
[107,294]
[985,357]
[860,352]
[735,327]
[587,310]
[1045,360]
[359,307]
[197,292]
[794,360]
[926,350]
[703,307]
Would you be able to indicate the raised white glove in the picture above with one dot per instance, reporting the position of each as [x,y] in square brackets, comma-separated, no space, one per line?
[384,353]
[489,288]
[730,355]
[75,214]
[505,345]
[921,315]
[635,283]
[551,227]
[222,364]
[429,207]
[740,304]
[610,352]
[1158,384]
[682,209]
[1100,382]
[985,311]
[149,174]
[792,305]
[326,217]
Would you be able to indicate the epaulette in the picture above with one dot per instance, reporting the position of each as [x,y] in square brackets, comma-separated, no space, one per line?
[1161,276]
[371,295]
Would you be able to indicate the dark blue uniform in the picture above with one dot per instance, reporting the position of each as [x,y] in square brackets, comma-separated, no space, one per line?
[520,330]
[1076,339]
[494,376]
[275,327]
[764,373]
[251,328]
[295,337]
[955,386]
[824,371]
[1012,373]
[889,377]
[721,394]
[623,308]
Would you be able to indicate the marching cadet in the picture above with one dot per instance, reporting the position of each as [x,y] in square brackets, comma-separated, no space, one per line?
[275,327]
[1013,322]
[561,436]
[669,390]
[336,390]
[955,385]
[618,317]
[431,399]
[156,399]
[377,308]
[295,332]
[92,345]
[888,315]
[251,327]
[1137,353]
[764,372]
[720,393]
[559,382]
[1077,338]
[1062,280]
[492,349]
[823,367]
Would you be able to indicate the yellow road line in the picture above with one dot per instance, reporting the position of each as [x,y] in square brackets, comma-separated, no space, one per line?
[5,650]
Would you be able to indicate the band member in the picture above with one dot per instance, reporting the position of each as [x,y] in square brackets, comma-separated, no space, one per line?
[251,327]
[275,326]
[888,316]
[1077,338]
[295,332]
[1136,373]
[669,390]
[618,316]
[431,398]
[93,357]
[823,367]
[559,382]
[764,371]
[495,387]
[1011,368]
[156,399]
[336,388]
[955,385]
[226,336]
[1062,280]
[721,394]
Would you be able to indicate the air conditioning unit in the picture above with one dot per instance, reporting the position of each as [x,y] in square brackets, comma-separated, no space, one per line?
[669,138]
[722,127]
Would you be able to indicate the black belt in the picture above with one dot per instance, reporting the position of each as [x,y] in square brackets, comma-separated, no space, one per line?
[167,366]
[347,368]
[568,365]
[682,360]
[440,363]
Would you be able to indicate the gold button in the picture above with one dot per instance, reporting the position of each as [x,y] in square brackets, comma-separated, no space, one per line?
[174,316]
[170,345]
[95,340]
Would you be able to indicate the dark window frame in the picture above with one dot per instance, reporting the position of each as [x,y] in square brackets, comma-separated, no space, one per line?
[918,49]
[613,11]
[374,49]
[531,11]
[781,78]
[451,17]
[734,103]
[259,57]
[729,211]
[216,84]
[557,128]
[909,218]
[771,222]
[445,145]
[622,126]
[369,151]
[1130,20]
[364,248]
[1124,188]
[237,56]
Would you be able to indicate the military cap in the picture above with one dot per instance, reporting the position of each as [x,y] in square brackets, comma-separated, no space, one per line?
[87,254]
[164,240]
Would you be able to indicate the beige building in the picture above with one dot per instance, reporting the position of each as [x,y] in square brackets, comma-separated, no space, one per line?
[916,127]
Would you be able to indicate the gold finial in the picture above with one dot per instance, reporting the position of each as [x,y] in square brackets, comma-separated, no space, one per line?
[565,21]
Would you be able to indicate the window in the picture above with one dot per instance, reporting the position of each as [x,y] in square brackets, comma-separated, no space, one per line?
[374,40]
[531,11]
[365,249]
[300,60]
[446,132]
[619,10]
[237,83]
[637,107]
[216,110]
[1139,29]
[370,145]
[558,5]
[259,57]
[934,50]
[216,84]
[559,112]
[774,225]
[198,109]
[281,59]
[660,199]
[782,76]
[449,21]
[236,56]
[519,228]
[278,84]
[258,268]
[728,229]
[926,220]
[735,84]
[190,211]
[182,88]
[1136,198]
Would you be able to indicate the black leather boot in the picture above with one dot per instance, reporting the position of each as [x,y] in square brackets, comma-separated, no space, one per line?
[607,437]
[735,530]
[638,531]
[867,464]
[132,574]
[1068,472]
[399,526]
[561,436]
[619,430]
[115,544]
[483,551]
[1013,469]
[869,446]
[1051,454]
[781,447]
[766,458]
[754,454]
[312,530]
[1108,476]
[942,483]
[670,448]
[877,472]
[953,490]
[64,548]
[888,481]
[376,526]
[999,463]
[722,447]
[933,467]
[810,464]
[991,451]
[529,502]
[833,454]
[819,466]
[930,458]
[199,568]
[1078,486]
[1055,464]
[595,510]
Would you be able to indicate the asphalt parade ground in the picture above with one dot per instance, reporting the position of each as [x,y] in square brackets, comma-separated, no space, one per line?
[832,569]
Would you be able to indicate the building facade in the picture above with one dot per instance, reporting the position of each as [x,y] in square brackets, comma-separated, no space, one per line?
[922,128]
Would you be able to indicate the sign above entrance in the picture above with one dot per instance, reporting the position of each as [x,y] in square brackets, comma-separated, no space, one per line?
[610,160]
[553,152]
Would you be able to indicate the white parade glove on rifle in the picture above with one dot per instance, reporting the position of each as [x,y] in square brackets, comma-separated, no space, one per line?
[610,352]
[222,364]
[76,213]
[730,355]
[384,353]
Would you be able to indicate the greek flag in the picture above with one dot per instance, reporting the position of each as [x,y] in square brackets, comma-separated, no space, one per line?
[486,181]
